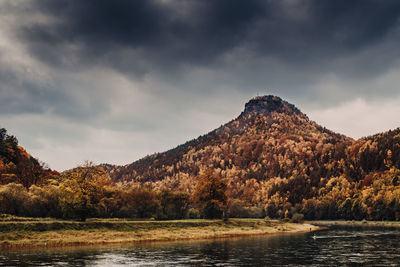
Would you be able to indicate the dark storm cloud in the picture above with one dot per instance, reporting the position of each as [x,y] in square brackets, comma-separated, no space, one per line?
[181,31]
[128,78]
[196,46]
[142,36]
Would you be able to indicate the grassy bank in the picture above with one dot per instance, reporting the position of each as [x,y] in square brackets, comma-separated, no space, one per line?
[52,233]
[357,223]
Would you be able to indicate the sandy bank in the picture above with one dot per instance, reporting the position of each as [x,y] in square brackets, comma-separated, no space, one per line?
[105,233]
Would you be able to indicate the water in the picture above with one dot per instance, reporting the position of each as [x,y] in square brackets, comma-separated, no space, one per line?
[340,246]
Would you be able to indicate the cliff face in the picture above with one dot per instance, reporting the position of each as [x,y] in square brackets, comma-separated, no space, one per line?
[268,104]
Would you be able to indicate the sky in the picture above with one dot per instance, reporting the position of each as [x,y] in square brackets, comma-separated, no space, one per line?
[113,81]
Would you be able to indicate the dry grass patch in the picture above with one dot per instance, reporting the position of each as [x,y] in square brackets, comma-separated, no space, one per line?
[122,231]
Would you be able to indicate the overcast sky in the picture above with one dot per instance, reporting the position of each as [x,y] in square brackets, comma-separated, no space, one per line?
[113,81]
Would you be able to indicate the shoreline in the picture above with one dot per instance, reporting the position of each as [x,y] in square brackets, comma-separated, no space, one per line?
[328,223]
[156,231]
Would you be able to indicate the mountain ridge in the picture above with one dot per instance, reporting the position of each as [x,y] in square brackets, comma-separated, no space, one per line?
[260,112]
[259,105]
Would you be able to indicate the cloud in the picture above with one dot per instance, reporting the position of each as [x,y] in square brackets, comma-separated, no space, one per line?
[115,80]
[199,33]
[248,46]
[359,118]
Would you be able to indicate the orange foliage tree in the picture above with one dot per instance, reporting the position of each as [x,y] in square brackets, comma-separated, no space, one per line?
[210,195]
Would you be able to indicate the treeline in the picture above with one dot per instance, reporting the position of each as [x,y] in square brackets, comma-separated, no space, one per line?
[376,197]
[279,166]
[88,192]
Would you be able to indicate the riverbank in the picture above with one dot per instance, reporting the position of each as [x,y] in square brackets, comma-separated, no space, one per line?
[58,233]
[356,223]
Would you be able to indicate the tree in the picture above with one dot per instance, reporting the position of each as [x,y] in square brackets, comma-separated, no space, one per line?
[83,188]
[173,205]
[16,165]
[139,202]
[210,195]
[13,198]
[45,201]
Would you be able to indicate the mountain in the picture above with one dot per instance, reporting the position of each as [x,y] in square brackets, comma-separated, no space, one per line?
[272,160]
[271,150]
[17,165]
[270,138]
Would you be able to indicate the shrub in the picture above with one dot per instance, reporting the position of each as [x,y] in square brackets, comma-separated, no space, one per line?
[297,218]
[267,220]
[193,213]
[13,198]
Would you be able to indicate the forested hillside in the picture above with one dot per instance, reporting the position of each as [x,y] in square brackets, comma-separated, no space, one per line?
[16,165]
[275,158]
[270,138]
[269,161]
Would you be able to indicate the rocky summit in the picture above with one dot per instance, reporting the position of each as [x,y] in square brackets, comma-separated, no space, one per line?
[269,103]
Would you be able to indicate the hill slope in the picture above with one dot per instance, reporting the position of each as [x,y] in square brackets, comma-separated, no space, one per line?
[270,153]
[16,165]
[270,138]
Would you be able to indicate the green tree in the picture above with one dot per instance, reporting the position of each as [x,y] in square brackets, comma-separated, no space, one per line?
[173,205]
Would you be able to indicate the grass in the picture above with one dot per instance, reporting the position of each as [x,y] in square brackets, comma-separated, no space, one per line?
[51,233]
[357,223]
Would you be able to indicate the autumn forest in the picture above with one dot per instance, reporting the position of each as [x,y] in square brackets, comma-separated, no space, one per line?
[271,161]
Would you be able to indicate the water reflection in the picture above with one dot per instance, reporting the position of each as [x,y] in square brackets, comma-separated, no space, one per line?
[336,246]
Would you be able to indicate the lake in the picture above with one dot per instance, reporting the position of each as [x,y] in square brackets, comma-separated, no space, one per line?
[335,246]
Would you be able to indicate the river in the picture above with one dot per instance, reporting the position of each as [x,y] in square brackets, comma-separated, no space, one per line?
[336,246]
